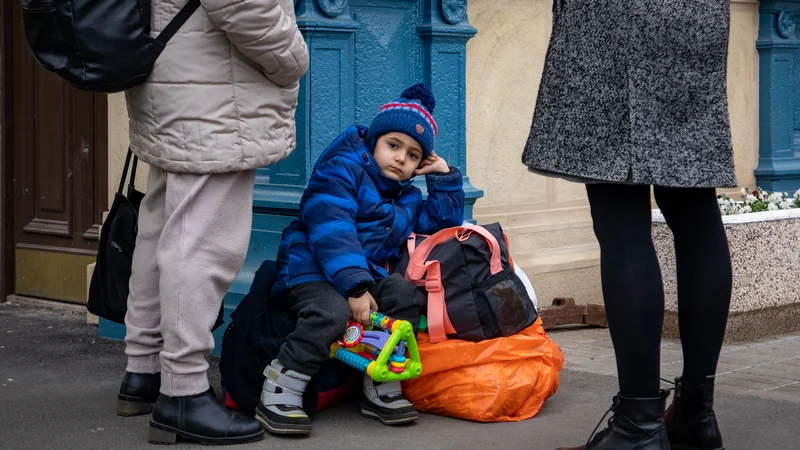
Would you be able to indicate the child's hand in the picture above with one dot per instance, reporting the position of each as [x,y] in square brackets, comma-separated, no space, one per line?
[432,164]
[360,306]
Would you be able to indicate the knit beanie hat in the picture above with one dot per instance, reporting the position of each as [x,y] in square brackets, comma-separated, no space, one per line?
[409,114]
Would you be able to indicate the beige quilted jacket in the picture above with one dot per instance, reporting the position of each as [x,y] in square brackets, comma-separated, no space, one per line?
[222,95]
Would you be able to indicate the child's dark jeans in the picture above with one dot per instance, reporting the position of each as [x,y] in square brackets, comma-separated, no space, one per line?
[322,315]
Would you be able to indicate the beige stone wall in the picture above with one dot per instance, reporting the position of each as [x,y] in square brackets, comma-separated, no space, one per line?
[743,88]
[547,219]
[118,146]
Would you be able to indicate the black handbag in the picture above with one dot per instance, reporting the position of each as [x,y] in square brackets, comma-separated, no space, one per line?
[108,290]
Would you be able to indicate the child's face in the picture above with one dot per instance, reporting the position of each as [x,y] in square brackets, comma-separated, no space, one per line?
[398,155]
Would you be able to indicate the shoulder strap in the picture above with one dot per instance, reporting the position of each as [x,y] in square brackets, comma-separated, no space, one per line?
[439,323]
[177,22]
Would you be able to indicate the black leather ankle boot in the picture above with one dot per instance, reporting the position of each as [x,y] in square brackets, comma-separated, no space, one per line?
[138,394]
[691,422]
[200,418]
[637,424]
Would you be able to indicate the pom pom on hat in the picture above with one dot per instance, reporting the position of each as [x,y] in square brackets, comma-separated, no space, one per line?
[421,93]
[410,114]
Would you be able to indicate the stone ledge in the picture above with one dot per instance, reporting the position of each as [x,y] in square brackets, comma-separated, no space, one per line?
[560,259]
[748,326]
[581,284]
[530,221]
[738,219]
[765,255]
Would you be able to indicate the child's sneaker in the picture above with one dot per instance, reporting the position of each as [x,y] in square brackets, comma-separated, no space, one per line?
[281,406]
[385,402]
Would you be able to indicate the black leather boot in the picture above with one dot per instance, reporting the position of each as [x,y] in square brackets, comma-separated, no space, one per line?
[637,424]
[691,422]
[200,418]
[138,393]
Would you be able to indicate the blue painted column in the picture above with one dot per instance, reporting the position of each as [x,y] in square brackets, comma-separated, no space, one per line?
[779,96]
[445,31]
[363,54]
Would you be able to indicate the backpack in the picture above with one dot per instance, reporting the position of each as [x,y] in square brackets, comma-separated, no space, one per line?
[97,45]
[473,292]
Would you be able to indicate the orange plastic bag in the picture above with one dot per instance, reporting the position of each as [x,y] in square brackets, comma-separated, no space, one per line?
[497,380]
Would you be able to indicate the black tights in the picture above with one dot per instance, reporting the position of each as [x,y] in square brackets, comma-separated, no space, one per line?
[632,285]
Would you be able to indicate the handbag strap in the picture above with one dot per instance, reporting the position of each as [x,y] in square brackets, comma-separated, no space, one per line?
[125,172]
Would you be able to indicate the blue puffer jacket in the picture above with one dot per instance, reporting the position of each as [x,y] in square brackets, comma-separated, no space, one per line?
[353,219]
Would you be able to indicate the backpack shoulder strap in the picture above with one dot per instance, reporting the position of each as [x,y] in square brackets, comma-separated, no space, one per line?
[177,22]
[439,323]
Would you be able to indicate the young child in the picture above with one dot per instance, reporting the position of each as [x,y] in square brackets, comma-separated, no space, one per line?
[358,209]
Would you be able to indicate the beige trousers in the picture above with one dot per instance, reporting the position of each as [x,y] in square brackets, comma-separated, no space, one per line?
[193,236]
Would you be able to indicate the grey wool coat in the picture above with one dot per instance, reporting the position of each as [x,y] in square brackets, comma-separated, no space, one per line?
[634,91]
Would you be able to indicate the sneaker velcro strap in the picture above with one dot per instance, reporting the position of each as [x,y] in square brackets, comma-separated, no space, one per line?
[284,399]
[389,389]
[286,381]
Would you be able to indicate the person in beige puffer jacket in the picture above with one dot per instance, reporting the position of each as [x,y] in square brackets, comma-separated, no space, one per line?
[219,103]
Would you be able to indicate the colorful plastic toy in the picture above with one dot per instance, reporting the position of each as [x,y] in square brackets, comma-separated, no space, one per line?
[388,354]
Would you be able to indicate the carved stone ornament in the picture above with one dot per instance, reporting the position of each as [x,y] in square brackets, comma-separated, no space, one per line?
[454,11]
[787,20]
[332,8]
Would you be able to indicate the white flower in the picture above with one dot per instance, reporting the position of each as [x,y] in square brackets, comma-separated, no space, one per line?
[775,197]
[750,199]
[785,205]
[772,207]
[721,201]
[748,209]
[797,194]
[744,191]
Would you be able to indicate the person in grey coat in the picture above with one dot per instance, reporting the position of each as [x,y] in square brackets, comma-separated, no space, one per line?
[219,103]
[633,95]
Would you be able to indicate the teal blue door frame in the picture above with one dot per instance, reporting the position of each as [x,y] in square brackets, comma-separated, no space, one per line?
[363,54]
[778,46]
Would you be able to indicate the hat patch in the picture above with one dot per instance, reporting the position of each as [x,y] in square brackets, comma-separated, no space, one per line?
[420,130]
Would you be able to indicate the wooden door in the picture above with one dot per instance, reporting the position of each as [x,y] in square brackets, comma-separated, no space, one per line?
[6,175]
[59,147]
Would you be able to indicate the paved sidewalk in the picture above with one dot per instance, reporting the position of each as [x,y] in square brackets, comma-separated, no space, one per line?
[768,368]
[58,385]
